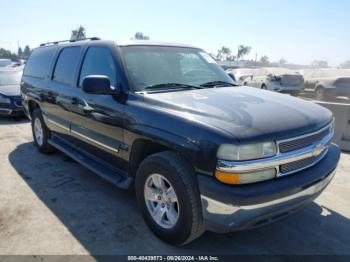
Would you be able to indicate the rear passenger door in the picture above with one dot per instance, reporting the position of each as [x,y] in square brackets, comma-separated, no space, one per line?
[62,90]
[97,120]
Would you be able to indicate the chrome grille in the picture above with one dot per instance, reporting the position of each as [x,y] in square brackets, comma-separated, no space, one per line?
[292,167]
[305,141]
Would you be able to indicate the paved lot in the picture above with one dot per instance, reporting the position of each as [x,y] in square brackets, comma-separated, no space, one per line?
[51,205]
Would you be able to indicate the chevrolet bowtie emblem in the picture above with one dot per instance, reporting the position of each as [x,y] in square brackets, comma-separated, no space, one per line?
[318,149]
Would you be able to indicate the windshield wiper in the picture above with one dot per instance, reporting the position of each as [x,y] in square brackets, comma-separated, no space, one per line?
[171,85]
[217,83]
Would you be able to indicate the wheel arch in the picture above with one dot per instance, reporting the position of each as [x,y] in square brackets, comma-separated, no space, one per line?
[32,105]
[143,148]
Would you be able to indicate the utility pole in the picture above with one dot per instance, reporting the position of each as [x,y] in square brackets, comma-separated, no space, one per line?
[256,58]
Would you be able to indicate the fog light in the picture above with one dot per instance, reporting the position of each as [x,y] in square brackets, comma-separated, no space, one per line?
[245,178]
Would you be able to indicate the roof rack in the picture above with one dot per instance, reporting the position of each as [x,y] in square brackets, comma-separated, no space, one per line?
[69,41]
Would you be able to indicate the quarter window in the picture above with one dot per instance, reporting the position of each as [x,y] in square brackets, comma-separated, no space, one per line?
[66,65]
[39,62]
[98,61]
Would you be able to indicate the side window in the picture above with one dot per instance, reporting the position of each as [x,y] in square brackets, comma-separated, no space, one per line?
[66,65]
[98,61]
[39,62]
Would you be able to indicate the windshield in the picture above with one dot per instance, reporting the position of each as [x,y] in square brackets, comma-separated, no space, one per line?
[10,78]
[154,65]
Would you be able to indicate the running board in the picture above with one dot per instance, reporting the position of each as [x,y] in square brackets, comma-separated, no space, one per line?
[111,175]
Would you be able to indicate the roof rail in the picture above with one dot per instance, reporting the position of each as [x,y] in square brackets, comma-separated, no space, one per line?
[69,41]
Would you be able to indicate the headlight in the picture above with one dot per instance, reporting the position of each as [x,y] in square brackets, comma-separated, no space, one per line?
[4,100]
[247,151]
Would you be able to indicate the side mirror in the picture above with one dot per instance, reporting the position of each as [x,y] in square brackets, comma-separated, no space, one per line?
[99,85]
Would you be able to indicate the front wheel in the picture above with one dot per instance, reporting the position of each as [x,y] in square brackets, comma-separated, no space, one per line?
[168,195]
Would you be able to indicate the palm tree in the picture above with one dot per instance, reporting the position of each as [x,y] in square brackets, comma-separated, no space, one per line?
[223,53]
[243,51]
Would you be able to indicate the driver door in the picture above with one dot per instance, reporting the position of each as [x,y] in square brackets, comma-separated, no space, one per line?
[97,125]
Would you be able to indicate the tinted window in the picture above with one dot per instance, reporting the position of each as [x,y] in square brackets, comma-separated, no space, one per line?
[39,62]
[98,61]
[66,65]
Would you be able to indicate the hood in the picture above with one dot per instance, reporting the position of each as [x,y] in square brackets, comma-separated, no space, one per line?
[10,90]
[245,113]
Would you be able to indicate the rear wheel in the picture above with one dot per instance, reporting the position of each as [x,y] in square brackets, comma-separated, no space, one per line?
[168,195]
[264,87]
[41,133]
[319,95]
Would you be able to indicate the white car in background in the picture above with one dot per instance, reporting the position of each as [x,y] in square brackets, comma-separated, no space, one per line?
[277,79]
[240,75]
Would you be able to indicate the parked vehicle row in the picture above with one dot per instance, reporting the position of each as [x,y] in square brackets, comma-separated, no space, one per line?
[10,97]
[322,84]
[166,120]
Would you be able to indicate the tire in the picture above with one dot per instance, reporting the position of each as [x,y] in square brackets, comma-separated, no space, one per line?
[319,94]
[179,175]
[264,87]
[41,141]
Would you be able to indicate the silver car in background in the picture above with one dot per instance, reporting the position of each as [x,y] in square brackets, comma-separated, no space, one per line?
[327,84]
[281,80]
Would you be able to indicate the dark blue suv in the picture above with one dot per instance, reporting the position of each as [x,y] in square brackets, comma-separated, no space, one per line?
[167,121]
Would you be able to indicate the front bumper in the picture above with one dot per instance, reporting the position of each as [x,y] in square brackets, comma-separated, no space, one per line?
[14,108]
[289,89]
[231,208]
[11,112]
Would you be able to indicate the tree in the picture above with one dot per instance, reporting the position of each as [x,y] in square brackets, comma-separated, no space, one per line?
[282,61]
[7,54]
[223,53]
[141,36]
[346,64]
[243,51]
[319,63]
[78,34]
[264,60]
[20,52]
[26,51]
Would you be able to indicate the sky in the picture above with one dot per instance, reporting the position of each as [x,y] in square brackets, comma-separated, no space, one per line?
[300,31]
